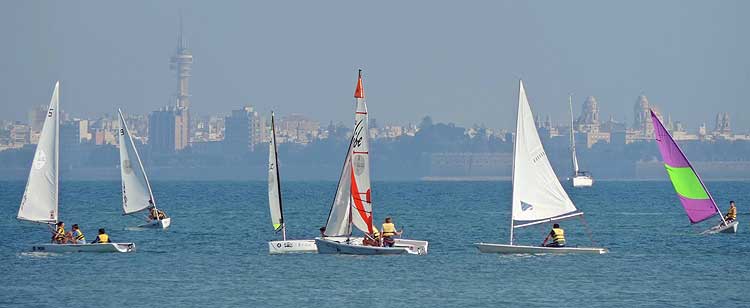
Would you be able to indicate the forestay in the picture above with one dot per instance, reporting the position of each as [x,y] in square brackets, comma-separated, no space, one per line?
[136,190]
[695,198]
[274,188]
[538,196]
[39,203]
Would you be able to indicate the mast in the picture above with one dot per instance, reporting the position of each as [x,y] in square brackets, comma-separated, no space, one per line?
[140,163]
[515,153]
[57,155]
[278,178]
[572,138]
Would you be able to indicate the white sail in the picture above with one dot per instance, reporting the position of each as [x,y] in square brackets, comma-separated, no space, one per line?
[274,193]
[538,196]
[338,217]
[360,169]
[573,139]
[39,203]
[136,190]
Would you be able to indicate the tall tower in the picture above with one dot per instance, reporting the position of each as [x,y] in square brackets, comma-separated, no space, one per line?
[182,63]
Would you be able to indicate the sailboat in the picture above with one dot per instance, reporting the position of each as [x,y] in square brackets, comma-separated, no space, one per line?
[580,178]
[277,211]
[538,196]
[693,194]
[352,204]
[136,189]
[40,197]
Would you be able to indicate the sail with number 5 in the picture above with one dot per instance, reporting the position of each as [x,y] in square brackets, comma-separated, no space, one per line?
[39,203]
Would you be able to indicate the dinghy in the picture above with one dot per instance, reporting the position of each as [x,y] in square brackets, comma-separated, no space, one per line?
[277,211]
[352,204]
[693,194]
[136,189]
[580,178]
[538,196]
[40,197]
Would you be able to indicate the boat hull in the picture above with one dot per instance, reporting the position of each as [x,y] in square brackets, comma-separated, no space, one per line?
[721,228]
[519,249]
[62,248]
[292,246]
[582,181]
[339,245]
[158,224]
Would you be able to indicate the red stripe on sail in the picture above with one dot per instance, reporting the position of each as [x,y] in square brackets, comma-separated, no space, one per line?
[358,202]
[360,91]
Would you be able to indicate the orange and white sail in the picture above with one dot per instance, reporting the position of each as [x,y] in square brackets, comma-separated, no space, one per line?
[360,164]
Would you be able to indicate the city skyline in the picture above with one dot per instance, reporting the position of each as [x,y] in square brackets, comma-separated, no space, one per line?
[265,58]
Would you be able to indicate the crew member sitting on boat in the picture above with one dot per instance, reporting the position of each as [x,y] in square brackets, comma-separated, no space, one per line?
[77,235]
[557,235]
[59,236]
[155,213]
[731,213]
[323,231]
[389,230]
[372,239]
[102,238]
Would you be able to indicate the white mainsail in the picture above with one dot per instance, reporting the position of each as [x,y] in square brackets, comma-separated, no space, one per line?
[538,196]
[136,190]
[338,217]
[39,203]
[360,169]
[274,187]
[573,139]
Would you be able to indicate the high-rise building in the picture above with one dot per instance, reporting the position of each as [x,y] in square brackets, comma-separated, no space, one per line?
[182,64]
[37,115]
[161,131]
[239,134]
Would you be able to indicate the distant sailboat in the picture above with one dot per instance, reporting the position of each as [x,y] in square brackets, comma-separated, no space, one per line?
[694,196]
[40,202]
[580,178]
[274,203]
[136,189]
[352,205]
[538,196]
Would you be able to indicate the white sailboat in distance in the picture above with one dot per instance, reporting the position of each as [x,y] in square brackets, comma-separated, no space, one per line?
[275,205]
[136,189]
[40,198]
[580,178]
[538,196]
[352,205]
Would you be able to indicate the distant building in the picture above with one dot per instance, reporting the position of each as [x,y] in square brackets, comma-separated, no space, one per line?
[588,121]
[723,125]
[36,118]
[239,134]
[298,128]
[182,64]
[161,131]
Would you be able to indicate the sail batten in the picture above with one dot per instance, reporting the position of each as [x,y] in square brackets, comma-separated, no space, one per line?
[537,192]
[40,198]
[274,186]
[690,189]
[136,189]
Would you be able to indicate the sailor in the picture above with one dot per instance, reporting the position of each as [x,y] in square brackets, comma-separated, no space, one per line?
[77,235]
[102,237]
[372,239]
[389,230]
[155,213]
[557,235]
[323,231]
[731,213]
[59,236]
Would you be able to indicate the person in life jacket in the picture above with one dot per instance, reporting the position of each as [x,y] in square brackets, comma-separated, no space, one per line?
[557,235]
[388,232]
[59,236]
[372,239]
[77,235]
[731,213]
[102,238]
[155,213]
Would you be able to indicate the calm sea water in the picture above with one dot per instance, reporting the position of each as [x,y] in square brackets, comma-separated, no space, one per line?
[216,253]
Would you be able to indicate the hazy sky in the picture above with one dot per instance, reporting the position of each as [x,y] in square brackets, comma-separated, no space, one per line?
[457,61]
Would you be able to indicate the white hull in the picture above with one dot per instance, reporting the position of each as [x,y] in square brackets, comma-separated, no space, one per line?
[518,249]
[160,224]
[292,246]
[108,247]
[339,245]
[583,181]
[729,228]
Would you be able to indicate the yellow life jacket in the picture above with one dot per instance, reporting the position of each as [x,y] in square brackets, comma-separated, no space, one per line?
[389,229]
[60,233]
[558,235]
[79,235]
[103,238]
[732,214]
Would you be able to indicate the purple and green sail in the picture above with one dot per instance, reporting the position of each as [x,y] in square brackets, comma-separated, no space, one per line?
[690,189]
